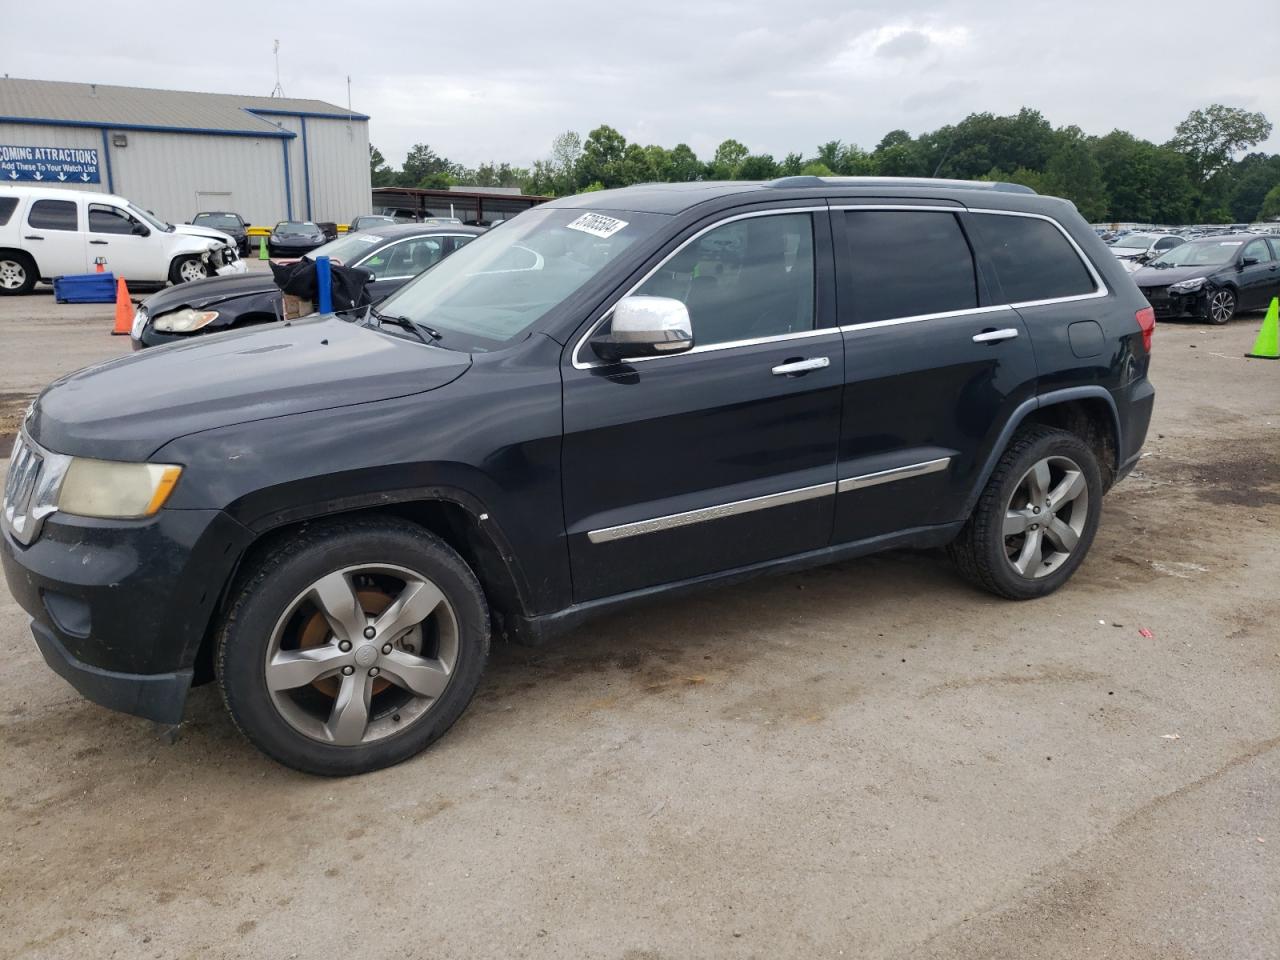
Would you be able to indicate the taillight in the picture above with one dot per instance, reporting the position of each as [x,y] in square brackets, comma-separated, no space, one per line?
[1146,318]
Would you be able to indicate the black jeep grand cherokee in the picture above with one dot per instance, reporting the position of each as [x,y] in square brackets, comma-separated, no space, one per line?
[614,396]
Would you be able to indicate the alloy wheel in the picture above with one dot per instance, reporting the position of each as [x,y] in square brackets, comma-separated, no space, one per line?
[1045,517]
[361,654]
[1222,305]
[12,275]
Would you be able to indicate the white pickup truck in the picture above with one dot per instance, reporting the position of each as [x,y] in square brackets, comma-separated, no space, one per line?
[47,233]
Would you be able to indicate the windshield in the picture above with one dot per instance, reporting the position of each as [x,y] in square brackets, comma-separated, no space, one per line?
[347,249]
[1208,253]
[496,287]
[218,221]
[1134,240]
[151,218]
[291,228]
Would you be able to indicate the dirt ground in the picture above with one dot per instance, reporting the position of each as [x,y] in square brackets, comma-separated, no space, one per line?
[869,760]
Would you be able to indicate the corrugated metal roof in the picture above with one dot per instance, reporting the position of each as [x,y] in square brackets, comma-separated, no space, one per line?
[139,107]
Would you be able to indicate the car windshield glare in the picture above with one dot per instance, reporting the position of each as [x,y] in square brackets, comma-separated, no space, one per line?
[1134,240]
[150,218]
[219,221]
[496,287]
[1212,253]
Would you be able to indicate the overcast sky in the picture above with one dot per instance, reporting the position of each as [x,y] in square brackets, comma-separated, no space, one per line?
[496,81]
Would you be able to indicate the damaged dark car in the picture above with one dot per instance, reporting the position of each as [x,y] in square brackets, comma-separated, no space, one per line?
[1212,279]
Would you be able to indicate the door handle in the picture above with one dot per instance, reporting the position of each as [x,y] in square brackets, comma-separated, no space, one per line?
[32,236]
[792,367]
[995,336]
[102,242]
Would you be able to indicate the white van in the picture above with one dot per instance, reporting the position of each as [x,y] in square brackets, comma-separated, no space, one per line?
[46,233]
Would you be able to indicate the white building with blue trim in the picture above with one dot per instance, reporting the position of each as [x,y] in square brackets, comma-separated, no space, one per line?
[176,152]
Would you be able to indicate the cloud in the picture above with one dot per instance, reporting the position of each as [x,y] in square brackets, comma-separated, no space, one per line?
[909,43]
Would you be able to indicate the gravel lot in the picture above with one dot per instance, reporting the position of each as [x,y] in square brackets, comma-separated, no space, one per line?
[869,760]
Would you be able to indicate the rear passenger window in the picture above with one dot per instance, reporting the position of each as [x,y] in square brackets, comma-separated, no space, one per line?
[749,278]
[1032,258]
[7,206]
[53,215]
[907,263]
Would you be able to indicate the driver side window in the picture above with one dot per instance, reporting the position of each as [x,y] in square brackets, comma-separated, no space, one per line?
[746,279]
[1259,250]
[408,258]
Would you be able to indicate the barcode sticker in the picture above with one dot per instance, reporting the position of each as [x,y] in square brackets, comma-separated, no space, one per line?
[597,224]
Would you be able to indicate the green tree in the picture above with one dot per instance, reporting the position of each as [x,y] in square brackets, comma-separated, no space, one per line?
[1073,172]
[791,165]
[601,158]
[380,174]
[1253,178]
[1211,137]
[423,167]
[566,150]
[1271,204]
[758,166]
[683,164]
[816,169]
[724,165]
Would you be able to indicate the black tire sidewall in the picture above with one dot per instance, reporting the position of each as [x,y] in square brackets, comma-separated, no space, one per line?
[285,573]
[1051,443]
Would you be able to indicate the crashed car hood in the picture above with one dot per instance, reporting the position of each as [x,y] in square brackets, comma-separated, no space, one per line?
[126,409]
[206,232]
[1163,276]
[199,294]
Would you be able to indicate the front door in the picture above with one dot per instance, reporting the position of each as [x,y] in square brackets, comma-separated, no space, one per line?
[127,244]
[1258,280]
[725,456]
[933,369]
[55,237]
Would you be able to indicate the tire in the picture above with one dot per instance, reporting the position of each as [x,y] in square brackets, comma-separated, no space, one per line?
[186,269]
[278,635]
[18,274]
[1221,306]
[1032,562]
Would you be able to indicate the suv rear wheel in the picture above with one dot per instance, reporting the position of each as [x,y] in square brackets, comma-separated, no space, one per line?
[353,646]
[186,269]
[17,273]
[1036,518]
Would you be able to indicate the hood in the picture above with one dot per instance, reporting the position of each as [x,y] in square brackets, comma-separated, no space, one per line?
[1129,253]
[205,293]
[126,409]
[207,232]
[1163,276]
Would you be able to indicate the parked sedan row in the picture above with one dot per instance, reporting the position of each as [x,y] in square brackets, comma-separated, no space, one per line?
[393,256]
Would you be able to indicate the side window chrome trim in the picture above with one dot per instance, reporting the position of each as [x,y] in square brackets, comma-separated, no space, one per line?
[1099,285]
[893,321]
[578,364]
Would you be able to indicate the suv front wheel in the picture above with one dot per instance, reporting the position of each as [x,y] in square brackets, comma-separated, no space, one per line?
[352,646]
[1036,518]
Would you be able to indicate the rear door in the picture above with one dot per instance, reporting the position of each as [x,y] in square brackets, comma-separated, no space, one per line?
[54,234]
[933,367]
[723,456]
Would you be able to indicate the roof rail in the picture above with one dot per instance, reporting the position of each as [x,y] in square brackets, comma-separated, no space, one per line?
[784,183]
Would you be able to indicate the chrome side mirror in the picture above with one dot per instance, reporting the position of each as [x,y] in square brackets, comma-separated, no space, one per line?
[645,327]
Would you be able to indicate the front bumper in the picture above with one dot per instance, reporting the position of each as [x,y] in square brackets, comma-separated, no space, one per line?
[234,267]
[1177,306]
[119,608]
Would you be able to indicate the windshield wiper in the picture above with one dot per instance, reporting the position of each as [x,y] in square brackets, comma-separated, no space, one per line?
[420,330]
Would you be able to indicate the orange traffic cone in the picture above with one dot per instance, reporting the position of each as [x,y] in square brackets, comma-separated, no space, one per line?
[124,309]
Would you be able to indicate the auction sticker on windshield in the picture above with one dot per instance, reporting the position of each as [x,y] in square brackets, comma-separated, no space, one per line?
[597,224]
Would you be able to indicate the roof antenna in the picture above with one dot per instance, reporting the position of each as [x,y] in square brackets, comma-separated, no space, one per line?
[277,90]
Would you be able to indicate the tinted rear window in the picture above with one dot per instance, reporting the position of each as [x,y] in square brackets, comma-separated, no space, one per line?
[53,215]
[7,206]
[906,264]
[1032,259]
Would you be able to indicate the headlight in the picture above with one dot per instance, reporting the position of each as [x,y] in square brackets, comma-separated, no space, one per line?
[114,490]
[1187,286]
[185,320]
